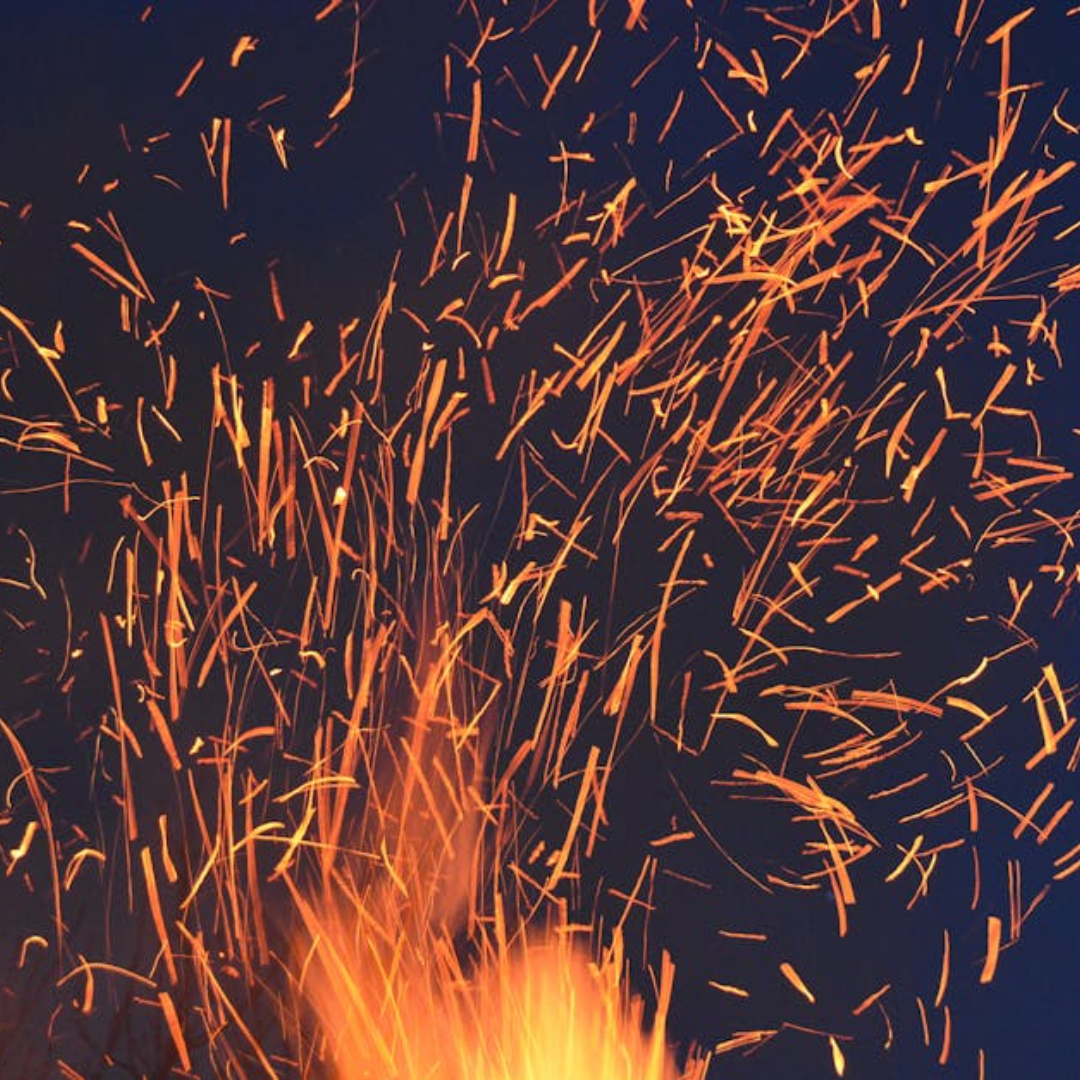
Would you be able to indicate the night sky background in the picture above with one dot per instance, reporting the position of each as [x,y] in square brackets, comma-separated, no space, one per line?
[94,84]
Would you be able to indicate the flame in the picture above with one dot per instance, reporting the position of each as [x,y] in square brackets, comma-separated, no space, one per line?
[538,1010]
[379,950]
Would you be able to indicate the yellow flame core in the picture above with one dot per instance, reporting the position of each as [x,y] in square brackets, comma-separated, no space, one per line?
[539,1012]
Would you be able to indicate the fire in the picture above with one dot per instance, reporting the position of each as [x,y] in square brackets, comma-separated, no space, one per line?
[379,948]
[390,1007]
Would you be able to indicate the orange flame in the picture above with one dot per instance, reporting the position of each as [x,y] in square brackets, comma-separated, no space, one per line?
[380,959]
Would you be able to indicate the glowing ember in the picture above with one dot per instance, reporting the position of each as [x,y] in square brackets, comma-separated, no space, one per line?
[539,539]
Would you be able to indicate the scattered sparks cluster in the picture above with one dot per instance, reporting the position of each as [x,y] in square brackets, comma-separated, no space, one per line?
[636,619]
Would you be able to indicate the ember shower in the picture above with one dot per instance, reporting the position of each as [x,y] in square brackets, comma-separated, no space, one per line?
[538,536]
